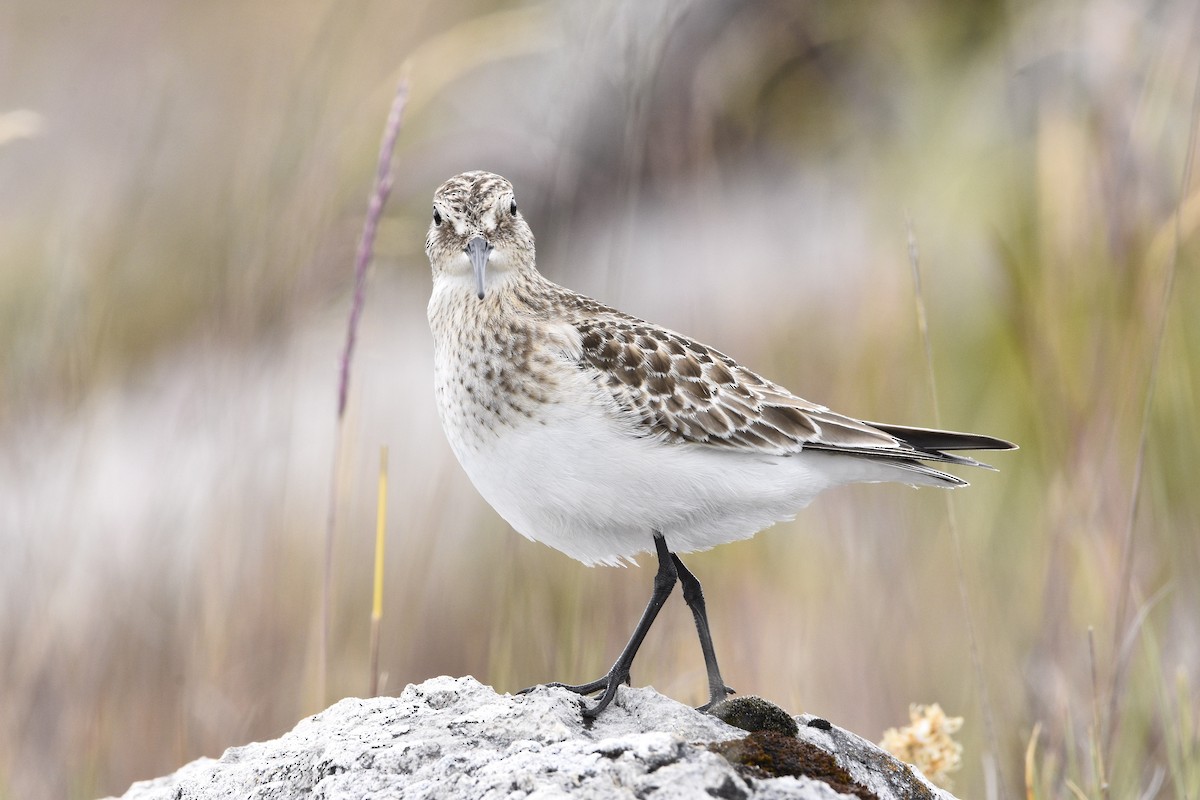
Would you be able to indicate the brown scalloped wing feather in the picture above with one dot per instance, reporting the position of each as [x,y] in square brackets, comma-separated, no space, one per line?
[684,391]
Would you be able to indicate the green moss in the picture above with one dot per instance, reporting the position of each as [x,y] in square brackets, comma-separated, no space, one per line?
[772,754]
[751,713]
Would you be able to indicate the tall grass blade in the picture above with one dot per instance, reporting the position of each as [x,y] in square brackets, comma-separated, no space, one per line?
[362,260]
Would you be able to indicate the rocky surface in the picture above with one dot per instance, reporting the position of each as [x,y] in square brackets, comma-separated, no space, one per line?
[455,738]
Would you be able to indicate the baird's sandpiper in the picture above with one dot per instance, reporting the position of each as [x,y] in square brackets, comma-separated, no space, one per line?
[605,436]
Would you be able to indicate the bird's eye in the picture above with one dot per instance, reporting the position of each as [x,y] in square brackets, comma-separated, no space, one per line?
[512,207]
[437,218]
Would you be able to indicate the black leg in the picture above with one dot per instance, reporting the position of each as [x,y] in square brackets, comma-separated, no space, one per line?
[694,597]
[664,582]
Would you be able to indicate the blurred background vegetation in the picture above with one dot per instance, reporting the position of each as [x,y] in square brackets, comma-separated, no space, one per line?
[181,189]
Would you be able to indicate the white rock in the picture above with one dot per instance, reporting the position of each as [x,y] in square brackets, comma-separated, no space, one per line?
[455,738]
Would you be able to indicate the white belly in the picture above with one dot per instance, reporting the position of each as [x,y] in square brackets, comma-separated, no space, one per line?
[574,478]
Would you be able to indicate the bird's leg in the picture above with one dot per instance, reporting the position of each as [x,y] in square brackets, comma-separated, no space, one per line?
[694,597]
[664,582]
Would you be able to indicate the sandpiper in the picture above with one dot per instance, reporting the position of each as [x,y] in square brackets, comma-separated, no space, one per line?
[605,436]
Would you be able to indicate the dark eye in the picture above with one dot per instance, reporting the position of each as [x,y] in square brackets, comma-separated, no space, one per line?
[437,218]
[512,207]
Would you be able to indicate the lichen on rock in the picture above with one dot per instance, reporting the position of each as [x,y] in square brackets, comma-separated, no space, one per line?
[454,737]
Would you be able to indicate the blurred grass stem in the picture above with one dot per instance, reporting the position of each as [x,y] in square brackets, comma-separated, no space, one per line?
[1143,435]
[1098,756]
[362,260]
[914,260]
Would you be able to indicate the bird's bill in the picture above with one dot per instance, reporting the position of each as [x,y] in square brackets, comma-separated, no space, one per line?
[478,251]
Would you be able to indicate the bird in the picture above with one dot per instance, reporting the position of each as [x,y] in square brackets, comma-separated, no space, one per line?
[606,436]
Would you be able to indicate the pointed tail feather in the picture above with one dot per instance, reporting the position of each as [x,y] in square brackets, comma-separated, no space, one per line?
[933,439]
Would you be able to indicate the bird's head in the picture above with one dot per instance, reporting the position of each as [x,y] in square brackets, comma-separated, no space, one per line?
[477,234]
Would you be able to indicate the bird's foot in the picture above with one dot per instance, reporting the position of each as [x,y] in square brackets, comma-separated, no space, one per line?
[608,684]
[716,695]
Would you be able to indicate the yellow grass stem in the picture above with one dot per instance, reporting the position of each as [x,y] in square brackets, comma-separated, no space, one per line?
[380,533]
[380,537]
[1030,763]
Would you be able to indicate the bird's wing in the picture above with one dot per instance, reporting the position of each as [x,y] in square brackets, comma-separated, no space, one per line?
[676,389]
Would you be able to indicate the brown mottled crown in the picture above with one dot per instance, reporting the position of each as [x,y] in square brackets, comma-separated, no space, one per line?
[471,191]
[478,204]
